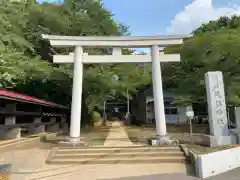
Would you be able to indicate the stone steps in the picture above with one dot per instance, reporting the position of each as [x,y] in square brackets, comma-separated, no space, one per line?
[81,147]
[119,161]
[118,149]
[117,155]
[110,155]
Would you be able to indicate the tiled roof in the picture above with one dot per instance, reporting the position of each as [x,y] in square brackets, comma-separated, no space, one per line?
[6,94]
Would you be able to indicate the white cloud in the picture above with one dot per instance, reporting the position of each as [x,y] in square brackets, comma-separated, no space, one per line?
[197,13]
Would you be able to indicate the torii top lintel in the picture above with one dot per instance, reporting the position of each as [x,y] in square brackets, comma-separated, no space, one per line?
[115,41]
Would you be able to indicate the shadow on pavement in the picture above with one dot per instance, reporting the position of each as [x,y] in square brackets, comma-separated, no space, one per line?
[190,175]
[230,175]
[172,176]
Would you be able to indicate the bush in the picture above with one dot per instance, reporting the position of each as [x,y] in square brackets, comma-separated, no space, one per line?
[96,116]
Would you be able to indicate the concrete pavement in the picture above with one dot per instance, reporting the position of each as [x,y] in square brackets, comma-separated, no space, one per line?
[230,175]
[29,164]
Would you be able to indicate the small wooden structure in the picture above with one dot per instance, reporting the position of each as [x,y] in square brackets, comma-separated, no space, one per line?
[19,112]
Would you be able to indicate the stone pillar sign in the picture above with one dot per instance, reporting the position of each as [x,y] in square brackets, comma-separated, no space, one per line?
[237,116]
[216,104]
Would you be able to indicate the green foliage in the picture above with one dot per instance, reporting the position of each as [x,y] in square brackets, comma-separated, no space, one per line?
[221,23]
[26,60]
[215,47]
[96,116]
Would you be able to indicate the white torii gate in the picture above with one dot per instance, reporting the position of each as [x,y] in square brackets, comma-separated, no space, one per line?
[117,43]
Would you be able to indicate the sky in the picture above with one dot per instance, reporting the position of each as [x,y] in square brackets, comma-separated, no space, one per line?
[161,17]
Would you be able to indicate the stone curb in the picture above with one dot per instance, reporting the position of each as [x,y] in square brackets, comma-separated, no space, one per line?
[190,156]
[28,139]
[117,161]
[184,148]
[4,142]
[51,155]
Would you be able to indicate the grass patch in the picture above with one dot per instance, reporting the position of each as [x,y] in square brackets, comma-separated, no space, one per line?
[95,135]
[90,135]
[140,134]
[36,135]
[185,128]
[200,150]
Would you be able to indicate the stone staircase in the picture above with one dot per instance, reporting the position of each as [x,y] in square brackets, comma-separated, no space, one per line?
[116,155]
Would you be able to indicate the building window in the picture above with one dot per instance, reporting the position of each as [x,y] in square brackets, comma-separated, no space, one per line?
[168,104]
[167,111]
[174,111]
[171,111]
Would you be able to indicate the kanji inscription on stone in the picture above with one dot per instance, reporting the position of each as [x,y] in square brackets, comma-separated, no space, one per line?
[217,114]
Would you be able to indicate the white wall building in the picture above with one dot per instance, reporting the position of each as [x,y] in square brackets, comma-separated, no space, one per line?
[173,113]
[143,109]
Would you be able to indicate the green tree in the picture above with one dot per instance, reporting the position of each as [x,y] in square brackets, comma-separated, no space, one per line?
[222,23]
[212,48]
[208,52]
[26,59]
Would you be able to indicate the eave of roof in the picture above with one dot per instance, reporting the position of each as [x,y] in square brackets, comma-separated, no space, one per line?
[13,96]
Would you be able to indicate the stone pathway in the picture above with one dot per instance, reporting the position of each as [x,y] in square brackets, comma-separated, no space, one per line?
[117,136]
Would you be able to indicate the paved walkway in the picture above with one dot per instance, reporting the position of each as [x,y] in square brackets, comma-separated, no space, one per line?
[117,136]
[29,164]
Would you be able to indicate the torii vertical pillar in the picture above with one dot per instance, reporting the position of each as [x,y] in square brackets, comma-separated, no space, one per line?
[161,132]
[76,106]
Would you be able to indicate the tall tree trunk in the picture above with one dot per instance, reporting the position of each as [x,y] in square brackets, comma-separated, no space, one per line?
[85,117]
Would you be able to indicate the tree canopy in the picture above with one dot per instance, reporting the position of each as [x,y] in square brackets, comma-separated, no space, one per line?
[214,47]
[26,59]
